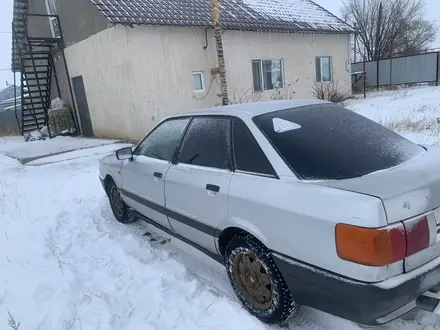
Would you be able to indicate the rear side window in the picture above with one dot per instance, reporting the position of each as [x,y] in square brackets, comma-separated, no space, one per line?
[162,142]
[329,142]
[207,142]
[247,152]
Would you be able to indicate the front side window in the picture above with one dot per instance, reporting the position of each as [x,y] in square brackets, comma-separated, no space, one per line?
[198,80]
[207,142]
[249,157]
[324,71]
[329,142]
[267,74]
[162,142]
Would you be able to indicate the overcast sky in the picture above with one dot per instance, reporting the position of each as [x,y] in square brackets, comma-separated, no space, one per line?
[6,16]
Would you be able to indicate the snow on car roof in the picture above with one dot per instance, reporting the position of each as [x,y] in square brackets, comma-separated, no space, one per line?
[255,108]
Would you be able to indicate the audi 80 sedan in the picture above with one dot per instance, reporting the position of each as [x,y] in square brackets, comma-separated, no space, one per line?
[305,202]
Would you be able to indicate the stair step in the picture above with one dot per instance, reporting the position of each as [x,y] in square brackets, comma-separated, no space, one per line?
[38,52]
[38,115]
[36,65]
[35,85]
[31,115]
[33,127]
[37,93]
[31,120]
[35,100]
[29,105]
[35,109]
[38,69]
[33,103]
[40,75]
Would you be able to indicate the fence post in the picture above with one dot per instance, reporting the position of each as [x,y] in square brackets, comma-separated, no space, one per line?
[377,80]
[365,79]
[391,71]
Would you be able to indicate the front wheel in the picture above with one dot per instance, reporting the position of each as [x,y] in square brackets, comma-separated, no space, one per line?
[120,210]
[257,281]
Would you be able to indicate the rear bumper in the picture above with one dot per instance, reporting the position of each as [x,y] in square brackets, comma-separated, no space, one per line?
[365,303]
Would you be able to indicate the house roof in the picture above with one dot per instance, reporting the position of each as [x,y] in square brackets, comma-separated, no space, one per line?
[253,15]
[247,15]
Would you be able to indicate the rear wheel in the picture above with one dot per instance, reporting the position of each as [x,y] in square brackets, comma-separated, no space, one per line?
[120,210]
[257,281]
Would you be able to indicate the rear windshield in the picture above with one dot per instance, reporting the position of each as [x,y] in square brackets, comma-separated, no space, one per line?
[329,142]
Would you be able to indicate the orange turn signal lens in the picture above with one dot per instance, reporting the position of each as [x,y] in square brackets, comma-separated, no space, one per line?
[371,246]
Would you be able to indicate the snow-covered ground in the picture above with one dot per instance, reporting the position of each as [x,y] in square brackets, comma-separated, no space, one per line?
[411,112]
[15,146]
[65,263]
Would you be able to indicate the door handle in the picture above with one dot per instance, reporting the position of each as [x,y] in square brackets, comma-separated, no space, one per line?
[212,188]
[158,175]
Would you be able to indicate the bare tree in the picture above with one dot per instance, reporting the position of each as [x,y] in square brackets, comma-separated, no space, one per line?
[220,54]
[389,27]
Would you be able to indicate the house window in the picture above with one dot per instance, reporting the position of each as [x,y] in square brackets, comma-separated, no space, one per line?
[324,71]
[198,79]
[267,74]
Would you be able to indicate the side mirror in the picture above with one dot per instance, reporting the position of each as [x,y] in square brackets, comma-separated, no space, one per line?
[124,153]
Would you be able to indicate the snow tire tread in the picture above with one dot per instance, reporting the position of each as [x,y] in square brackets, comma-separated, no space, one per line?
[283,306]
[126,217]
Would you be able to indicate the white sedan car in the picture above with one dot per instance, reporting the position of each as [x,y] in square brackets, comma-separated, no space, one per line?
[305,202]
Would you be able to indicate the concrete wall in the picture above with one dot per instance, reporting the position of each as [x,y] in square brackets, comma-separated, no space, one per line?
[136,76]
[38,26]
[79,19]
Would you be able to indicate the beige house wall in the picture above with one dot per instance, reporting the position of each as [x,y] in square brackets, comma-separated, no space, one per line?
[298,52]
[134,77]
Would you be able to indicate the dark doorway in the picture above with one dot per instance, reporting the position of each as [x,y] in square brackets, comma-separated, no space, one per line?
[83,107]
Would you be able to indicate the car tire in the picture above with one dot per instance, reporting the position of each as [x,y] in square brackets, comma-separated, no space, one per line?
[249,280]
[120,210]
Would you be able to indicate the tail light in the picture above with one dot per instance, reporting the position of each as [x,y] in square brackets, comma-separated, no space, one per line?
[383,246]
[417,235]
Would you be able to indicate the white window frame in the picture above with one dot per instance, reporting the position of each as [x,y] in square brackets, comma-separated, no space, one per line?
[52,19]
[321,69]
[202,78]
[262,75]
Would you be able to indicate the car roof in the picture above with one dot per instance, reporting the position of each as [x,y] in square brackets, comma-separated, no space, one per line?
[252,109]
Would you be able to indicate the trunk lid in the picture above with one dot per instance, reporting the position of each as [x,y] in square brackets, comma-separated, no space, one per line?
[407,191]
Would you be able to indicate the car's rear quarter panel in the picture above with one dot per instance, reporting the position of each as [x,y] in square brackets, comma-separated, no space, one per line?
[298,219]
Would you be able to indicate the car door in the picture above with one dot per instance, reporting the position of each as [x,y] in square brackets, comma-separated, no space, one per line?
[196,186]
[143,178]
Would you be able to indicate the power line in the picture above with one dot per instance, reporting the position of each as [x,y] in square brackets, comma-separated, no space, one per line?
[5,32]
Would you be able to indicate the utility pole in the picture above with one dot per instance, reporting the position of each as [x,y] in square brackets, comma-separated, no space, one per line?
[220,54]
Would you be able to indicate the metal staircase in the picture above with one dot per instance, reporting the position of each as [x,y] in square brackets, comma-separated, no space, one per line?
[36,75]
[33,58]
